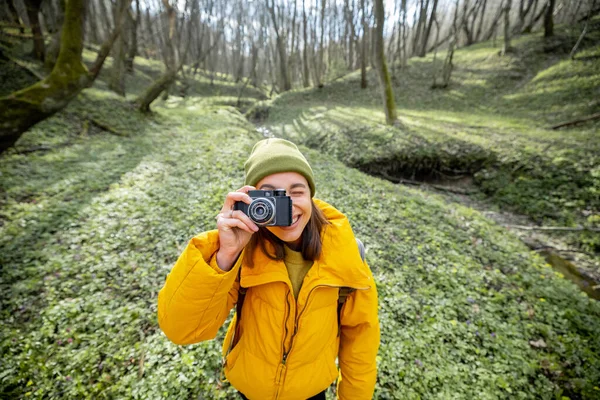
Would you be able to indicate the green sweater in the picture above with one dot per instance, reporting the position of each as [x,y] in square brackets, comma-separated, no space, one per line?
[297,268]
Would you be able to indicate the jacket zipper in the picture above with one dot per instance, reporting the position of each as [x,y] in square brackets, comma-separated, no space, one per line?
[281,370]
[296,323]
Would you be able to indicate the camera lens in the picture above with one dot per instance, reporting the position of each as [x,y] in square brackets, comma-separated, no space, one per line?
[261,211]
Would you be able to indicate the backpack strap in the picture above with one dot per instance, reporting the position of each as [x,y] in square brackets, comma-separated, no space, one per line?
[347,291]
[238,309]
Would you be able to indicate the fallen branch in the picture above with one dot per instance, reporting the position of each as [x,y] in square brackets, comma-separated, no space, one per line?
[417,183]
[107,128]
[577,121]
[546,248]
[553,228]
[41,148]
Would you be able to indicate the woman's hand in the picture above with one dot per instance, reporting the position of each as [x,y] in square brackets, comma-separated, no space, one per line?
[235,228]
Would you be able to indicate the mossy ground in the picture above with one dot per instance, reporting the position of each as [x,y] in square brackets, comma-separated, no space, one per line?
[91,226]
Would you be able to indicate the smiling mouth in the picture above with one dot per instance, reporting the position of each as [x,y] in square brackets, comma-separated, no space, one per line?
[294,222]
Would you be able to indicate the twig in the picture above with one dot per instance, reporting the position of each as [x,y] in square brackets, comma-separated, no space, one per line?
[42,148]
[544,248]
[553,228]
[577,121]
[107,128]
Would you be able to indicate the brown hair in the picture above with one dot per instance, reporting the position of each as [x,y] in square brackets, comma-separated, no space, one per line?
[311,245]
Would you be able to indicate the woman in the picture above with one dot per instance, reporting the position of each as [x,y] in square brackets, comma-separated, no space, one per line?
[284,341]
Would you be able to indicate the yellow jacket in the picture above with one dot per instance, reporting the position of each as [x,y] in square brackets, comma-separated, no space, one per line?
[285,349]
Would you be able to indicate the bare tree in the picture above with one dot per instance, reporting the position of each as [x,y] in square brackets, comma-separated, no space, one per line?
[280,47]
[33,10]
[549,19]
[54,46]
[363,47]
[173,64]
[132,23]
[305,68]
[382,70]
[116,81]
[425,36]
[506,47]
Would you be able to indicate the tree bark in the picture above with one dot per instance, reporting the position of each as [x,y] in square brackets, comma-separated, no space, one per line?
[425,37]
[161,84]
[117,76]
[33,10]
[305,69]
[54,47]
[133,41]
[506,47]
[363,47]
[384,76]
[549,19]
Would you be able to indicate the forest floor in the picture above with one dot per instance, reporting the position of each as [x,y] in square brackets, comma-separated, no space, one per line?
[92,219]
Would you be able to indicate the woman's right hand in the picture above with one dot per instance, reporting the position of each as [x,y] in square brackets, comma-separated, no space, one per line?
[235,228]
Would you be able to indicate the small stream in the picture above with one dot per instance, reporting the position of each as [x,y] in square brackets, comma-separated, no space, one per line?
[570,272]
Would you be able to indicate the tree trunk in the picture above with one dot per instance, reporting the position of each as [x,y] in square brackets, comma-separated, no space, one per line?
[117,73]
[494,25]
[384,76]
[319,68]
[363,47]
[280,48]
[535,18]
[481,20]
[161,84]
[305,70]
[133,42]
[425,37]
[33,10]
[92,22]
[24,108]
[54,46]
[506,47]
[523,12]
[448,66]
[106,48]
[549,19]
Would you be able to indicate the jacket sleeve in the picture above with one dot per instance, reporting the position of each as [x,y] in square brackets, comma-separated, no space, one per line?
[197,295]
[359,344]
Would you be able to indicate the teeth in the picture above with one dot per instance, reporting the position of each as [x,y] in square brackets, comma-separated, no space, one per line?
[295,219]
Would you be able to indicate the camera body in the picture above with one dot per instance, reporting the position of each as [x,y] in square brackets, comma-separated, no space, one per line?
[268,207]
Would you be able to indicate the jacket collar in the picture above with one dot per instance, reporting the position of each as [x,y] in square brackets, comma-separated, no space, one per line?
[340,263]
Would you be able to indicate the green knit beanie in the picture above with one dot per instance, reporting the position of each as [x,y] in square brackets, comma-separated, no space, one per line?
[271,156]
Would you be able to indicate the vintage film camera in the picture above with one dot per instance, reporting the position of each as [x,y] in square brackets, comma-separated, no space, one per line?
[268,207]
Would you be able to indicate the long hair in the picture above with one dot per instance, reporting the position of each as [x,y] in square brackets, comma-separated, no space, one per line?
[311,245]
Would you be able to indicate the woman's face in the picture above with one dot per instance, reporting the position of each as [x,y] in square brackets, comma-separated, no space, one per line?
[296,186]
